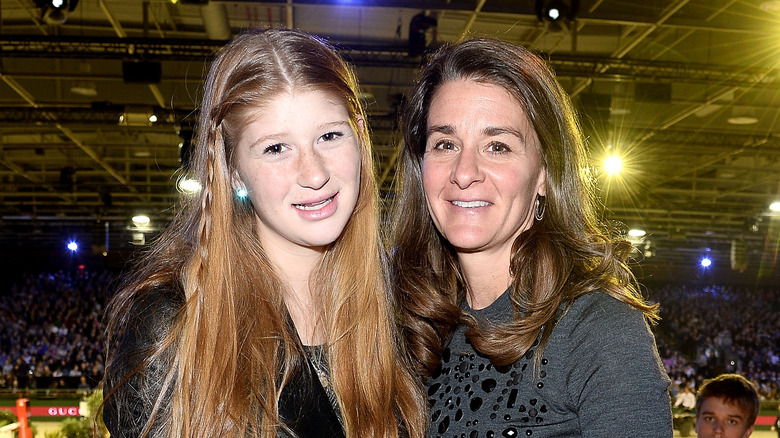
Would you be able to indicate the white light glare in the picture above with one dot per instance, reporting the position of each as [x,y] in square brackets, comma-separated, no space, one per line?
[775,206]
[706,262]
[189,185]
[636,232]
[613,164]
[153,118]
[141,220]
[242,193]
[73,246]
[554,14]
[57,3]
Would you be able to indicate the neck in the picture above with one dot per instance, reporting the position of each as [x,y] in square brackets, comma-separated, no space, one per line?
[295,266]
[487,276]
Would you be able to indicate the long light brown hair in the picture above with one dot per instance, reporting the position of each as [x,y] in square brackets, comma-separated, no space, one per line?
[233,347]
[566,255]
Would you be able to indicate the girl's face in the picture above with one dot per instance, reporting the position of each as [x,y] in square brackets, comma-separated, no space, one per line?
[299,159]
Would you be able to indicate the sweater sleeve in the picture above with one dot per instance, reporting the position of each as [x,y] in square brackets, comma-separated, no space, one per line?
[616,382]
[133,380]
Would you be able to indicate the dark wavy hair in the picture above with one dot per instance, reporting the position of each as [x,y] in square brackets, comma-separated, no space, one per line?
[564,256]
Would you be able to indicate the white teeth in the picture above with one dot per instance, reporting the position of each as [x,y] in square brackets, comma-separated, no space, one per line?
[313,206]
[471,204]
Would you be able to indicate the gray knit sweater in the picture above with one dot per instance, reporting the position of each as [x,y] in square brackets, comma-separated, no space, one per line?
[600,376]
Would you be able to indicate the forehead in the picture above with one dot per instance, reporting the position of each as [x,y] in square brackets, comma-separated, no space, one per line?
[717,406]
[472,101]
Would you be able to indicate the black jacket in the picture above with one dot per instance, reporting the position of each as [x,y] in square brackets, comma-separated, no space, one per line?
[304,406]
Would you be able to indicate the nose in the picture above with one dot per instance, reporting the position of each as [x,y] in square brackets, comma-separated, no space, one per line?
[312,170]
[467,169]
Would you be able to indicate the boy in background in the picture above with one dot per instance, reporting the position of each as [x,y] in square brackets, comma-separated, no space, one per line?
[727,407]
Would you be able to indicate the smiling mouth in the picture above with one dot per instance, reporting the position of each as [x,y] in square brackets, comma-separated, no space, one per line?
[314,205]
[471,204]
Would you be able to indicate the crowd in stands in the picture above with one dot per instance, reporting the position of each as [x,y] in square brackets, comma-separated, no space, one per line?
[50,331]
[708,330]
[51,337]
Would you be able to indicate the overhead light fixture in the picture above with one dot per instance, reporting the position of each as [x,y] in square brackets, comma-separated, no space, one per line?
[84,87]
[141,220]
[134,115]
[743,116]
[421,29]
[55,12]
[557,13]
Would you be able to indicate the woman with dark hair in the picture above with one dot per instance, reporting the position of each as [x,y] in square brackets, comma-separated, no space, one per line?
[518,308]
[262,310]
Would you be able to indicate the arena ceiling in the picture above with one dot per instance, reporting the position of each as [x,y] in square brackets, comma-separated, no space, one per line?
[687,91]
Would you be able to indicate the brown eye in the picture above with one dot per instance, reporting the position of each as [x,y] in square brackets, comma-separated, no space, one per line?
[330,136]
[444,145]
[497,147]
[274,149]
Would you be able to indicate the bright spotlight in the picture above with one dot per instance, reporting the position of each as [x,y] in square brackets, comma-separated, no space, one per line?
[140,220]
[775,206]
[613,164]
[188,185]
[706,262]
[73,246]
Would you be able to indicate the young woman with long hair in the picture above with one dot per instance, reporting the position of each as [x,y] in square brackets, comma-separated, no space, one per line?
[518,308]
[266,315]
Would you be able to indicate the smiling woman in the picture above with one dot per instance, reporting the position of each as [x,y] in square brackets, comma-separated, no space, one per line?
[518,308]
[262,309]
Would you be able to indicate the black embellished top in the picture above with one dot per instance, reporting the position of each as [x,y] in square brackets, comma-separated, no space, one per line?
[600,376]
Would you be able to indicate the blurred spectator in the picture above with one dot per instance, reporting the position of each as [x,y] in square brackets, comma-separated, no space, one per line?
[776,425]
[686,399]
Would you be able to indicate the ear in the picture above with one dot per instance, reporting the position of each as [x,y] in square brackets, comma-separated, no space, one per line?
[235,181]
[748,432]
[541,185]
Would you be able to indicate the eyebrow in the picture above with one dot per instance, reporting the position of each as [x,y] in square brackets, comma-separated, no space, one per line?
[498,130]
[491,131]
[441,129]
[738,416]
[327,125]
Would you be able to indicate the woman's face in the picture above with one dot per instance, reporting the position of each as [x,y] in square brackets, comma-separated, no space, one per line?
[482,168]
[299,159]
